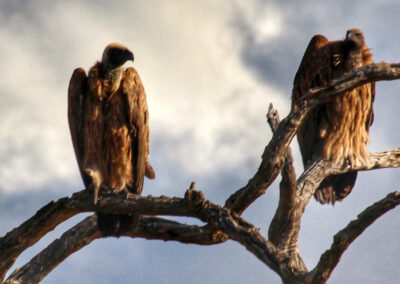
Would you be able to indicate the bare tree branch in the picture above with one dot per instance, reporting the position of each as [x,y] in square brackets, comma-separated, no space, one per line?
[86,231]
[284,213]
[236,228]
[54,213]
[288,183]
[193,205]
[71,241]
[345,237]
[31,231]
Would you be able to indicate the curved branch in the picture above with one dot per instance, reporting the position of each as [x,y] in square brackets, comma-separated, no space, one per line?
[345,237]
[193,205]
[71,241]
[317,172]
[86,231]
[31,231]
[54,213]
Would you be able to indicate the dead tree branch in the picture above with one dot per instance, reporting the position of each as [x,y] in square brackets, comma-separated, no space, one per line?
[72,240]
[86,231]
[345,237]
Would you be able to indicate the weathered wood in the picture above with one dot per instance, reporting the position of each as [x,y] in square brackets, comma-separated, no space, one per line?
[54,213]
[72,240]
[86,231]
[345,237]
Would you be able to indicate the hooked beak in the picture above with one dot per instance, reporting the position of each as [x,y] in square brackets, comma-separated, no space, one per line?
[129,55]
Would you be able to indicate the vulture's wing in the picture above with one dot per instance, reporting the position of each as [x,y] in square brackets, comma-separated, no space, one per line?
[314,71]
[315,60]
[133,89]
[76,91]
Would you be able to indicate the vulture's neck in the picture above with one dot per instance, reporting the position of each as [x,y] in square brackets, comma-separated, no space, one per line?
[354,57]
[113,75]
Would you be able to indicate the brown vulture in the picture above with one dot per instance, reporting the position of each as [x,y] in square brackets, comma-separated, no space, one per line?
[337,130]
[109,125]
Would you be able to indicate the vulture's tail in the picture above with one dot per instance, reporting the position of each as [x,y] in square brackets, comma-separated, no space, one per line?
[335,188]
[115,224]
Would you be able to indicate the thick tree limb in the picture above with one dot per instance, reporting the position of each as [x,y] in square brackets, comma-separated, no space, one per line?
[54,213]
[87,231]
[271,164]
[287,200]
[48,259]
[31,231]
[236,228]
[317,172]
[345,237]
[218,217]
[193,205]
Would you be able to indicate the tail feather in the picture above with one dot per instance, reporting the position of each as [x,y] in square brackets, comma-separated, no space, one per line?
[335,188]
[149,172]
[115,224]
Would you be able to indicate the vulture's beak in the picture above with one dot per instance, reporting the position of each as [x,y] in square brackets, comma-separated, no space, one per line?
[129,55]
[350,36]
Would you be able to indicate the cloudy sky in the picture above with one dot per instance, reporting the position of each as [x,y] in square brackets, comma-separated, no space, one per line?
[210,70]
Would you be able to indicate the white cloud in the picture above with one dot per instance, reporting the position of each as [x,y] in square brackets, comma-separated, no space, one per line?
[265,20]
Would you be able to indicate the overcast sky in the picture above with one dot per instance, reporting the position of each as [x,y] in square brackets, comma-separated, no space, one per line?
[210,70]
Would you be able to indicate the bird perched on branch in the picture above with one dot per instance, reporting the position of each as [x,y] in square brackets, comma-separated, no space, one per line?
[109,125]
[337,130]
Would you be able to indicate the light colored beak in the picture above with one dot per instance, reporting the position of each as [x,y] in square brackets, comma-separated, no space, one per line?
[350,35]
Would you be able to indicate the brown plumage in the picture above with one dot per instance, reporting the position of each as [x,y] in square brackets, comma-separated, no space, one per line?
[109,125]
[337,130]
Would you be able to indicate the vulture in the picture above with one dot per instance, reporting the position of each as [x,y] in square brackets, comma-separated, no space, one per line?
[109,125]
[337,131]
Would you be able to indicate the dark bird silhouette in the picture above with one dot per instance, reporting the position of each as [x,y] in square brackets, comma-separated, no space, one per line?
[109,125]
[338,130]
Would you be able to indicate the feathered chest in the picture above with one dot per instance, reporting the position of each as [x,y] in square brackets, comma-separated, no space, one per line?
[103,85]
[108,140]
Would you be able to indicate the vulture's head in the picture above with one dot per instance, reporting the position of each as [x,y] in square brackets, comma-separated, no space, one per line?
[355,37]
[115,55]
